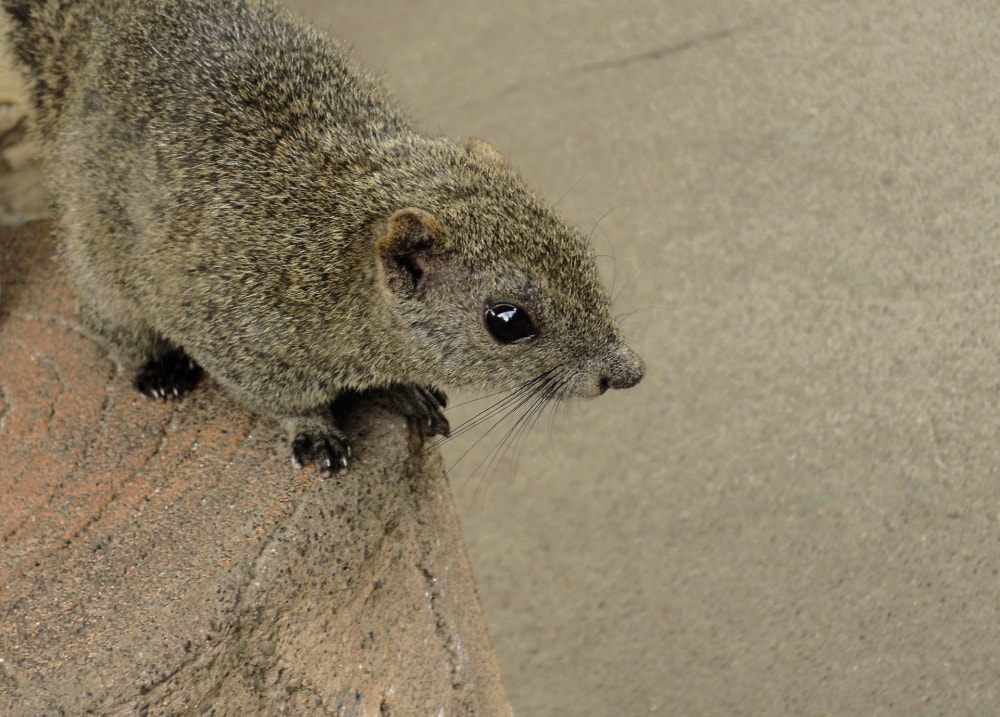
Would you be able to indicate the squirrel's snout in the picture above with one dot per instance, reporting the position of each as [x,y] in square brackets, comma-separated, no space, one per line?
[625,380]
[625,370]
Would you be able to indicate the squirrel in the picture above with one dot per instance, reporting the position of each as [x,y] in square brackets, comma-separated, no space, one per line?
[237,196]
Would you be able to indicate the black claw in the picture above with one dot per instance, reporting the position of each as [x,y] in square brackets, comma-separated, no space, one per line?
[173,374]
[325,451]
[426,409]
[439,396]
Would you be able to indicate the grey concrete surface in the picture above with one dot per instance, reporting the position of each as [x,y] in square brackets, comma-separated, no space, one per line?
[797,511]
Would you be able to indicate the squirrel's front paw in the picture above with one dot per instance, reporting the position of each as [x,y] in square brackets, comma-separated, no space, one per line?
[172,375]
[424,406]
[327,448]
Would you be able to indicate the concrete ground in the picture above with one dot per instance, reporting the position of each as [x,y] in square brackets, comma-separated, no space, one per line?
[797,511]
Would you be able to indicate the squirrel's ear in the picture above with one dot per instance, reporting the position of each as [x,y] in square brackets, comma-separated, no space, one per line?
[484,149]
[406,247]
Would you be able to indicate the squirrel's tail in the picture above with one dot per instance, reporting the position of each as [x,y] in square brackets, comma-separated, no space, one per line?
[45,37]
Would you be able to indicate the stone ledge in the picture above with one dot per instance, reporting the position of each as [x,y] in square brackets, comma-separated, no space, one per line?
[165,558]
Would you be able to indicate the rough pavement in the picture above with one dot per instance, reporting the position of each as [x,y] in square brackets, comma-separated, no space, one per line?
[796,512]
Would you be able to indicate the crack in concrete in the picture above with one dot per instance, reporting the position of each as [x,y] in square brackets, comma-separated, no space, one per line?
[114,495]
[54,368]
[241,438]
[665,50]
[652,55]
[441,628]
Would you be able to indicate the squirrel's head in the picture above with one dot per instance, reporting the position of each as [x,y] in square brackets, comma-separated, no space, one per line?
[493,290]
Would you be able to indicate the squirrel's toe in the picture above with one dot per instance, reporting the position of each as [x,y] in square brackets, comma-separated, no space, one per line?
[425,407]
[327,451]
[172,375]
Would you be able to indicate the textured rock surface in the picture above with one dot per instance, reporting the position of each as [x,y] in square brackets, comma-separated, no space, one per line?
[165,558]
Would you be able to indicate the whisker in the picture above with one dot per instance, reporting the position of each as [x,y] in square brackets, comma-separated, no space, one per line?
[628,279]
[622,318]
[566,193]
[597,224]
[495,455]
[526,404]
[518,398]
[553,396]
[515,437]
[611,246]
[477,399]
[490,455]
[510,403]
[489,412]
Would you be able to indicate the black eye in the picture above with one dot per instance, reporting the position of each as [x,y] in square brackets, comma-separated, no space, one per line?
[509,324]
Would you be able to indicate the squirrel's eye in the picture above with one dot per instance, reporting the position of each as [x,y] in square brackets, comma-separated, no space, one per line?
[509,324]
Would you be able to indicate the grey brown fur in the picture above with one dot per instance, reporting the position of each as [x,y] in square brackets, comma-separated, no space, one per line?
[236,194]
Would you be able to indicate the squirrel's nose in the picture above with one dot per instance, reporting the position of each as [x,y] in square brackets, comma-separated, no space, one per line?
[624,371]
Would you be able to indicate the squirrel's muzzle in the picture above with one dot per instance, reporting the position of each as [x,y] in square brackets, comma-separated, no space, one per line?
[624,369]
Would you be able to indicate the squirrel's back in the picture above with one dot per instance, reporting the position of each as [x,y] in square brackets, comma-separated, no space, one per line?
[266,56]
